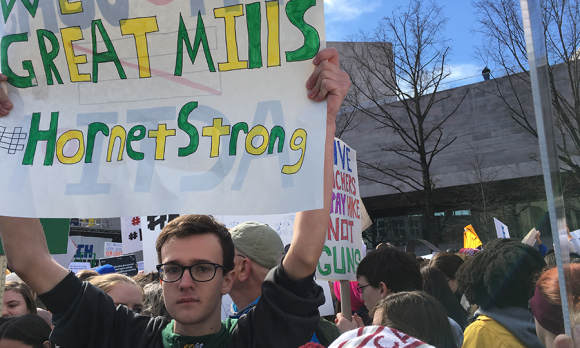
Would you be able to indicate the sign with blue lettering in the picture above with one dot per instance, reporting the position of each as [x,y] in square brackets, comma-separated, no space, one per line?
[501,229]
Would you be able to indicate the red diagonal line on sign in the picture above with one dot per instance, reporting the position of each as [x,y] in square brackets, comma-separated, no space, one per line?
[168,76]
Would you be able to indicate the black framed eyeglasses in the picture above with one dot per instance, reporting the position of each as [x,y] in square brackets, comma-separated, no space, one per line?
[200,272]
[360,288]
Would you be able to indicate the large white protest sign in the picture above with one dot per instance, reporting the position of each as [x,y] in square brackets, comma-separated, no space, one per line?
[343,247]
[139,107]
[501,229]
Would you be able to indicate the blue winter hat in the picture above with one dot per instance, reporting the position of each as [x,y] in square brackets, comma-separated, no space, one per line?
[105,269]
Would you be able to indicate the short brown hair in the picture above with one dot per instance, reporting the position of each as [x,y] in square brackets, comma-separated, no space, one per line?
[448,263]
[419,315]
[26,292]
[189,225]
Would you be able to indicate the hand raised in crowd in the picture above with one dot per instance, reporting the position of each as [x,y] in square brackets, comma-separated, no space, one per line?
[5,103]
[328,81]
[345,325]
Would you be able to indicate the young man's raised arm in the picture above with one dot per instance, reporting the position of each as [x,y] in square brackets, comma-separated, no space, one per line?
[27,253]
[310,227]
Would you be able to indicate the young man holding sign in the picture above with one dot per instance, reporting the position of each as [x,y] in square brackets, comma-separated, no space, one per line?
[196,257]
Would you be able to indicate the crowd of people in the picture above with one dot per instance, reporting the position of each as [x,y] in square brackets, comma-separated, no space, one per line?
[504,295]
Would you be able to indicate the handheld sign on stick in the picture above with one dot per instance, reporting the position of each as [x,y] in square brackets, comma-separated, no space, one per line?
[537,55]
[345,300]
[3,265]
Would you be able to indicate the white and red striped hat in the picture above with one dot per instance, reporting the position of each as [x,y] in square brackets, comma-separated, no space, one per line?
[377,337]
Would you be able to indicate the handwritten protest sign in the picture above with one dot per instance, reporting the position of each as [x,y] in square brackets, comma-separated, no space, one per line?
[343,247]
[142,107]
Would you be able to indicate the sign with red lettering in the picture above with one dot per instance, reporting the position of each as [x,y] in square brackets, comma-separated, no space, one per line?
[343,247]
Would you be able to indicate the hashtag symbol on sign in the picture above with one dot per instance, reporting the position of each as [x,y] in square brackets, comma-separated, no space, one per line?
[135,221]
[133,235]
[11,141]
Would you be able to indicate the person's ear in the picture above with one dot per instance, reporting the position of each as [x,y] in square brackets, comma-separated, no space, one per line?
[383,290]
[228,282]
[46,344]
[245,270]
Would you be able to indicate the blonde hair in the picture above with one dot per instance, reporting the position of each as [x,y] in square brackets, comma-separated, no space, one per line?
[107,282]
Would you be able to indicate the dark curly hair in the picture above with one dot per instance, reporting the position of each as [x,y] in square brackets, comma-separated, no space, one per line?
[397,269]
[501,275]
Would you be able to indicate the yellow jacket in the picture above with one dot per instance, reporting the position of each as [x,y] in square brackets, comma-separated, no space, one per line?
[486,332]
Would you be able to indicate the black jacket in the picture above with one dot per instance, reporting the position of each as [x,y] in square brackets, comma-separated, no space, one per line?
[84,316]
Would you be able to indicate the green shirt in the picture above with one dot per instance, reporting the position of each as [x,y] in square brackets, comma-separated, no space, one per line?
[217,340]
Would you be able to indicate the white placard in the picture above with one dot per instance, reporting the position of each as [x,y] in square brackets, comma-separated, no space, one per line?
[142,107]
[113,249]
[501,229]
[78,266]
[131,234]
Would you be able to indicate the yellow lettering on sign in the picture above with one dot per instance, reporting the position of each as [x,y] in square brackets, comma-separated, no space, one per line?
[117,132]
[160,135]
[65,138]
[69,35]
[229,15]
[255,132]
[273,15]
[215,132]
[299,133]
[139,28]
[70,8]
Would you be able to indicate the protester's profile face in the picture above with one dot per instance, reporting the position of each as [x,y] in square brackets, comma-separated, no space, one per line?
[8,343]
[190,302]
[128,295]
[14,304]
[370,295]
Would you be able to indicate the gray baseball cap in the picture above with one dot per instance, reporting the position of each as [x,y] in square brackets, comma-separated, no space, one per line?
[259,242]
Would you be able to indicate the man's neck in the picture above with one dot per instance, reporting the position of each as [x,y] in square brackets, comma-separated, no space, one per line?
[246,295]
[211,325]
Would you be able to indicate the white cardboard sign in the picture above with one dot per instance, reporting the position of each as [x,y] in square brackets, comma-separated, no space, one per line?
[142,107]
[501,229]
